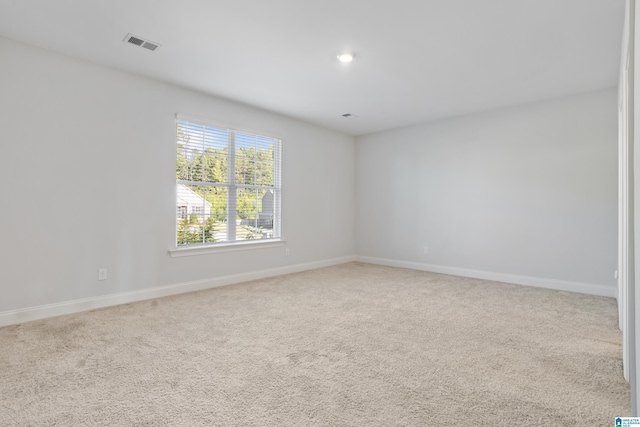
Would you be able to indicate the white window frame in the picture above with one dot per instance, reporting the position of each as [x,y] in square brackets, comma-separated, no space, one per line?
[231,244]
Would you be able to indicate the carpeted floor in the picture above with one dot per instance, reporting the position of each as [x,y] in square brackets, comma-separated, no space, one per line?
[351,345]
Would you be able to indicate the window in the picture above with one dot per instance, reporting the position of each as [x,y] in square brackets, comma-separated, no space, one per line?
[182,212]
[228,185]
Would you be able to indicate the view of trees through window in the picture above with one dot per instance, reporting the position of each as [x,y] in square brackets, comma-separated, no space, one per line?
[227,185]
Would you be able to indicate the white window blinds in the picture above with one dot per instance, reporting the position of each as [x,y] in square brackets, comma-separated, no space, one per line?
[228,185]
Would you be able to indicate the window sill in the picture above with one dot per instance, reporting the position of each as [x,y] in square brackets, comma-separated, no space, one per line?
[225,247]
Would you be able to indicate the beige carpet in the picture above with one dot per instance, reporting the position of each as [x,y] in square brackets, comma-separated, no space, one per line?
[351,345]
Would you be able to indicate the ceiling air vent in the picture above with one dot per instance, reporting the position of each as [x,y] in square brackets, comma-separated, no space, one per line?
[139,41]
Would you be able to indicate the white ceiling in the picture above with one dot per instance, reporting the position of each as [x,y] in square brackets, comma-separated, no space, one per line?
[416,60]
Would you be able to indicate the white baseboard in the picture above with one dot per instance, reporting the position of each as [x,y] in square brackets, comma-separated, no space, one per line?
[74,306]
[559,285]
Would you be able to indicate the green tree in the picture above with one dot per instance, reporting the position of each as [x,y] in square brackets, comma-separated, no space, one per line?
[188,233]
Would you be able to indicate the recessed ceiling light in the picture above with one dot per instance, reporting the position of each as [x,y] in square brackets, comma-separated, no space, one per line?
[346,57]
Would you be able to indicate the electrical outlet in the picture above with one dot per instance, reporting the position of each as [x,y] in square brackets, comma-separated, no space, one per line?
[426,250]
[102,274]
[287,251]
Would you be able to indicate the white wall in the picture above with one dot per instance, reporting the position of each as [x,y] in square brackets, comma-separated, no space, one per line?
[529,191]
[87,181]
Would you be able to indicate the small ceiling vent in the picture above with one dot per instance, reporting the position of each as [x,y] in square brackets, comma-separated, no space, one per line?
[349,116]
[139,41]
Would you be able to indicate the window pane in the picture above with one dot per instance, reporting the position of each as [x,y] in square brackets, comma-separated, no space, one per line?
[264,161]
[215,165]
[188,162]
[255,213]
[254,159]
[245,172]
[249,172]
[245,158]
[246,145]
[189,151]
[216,225]
[264,173]
[215,155]
[201,153]
[193,209]
[201,214]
